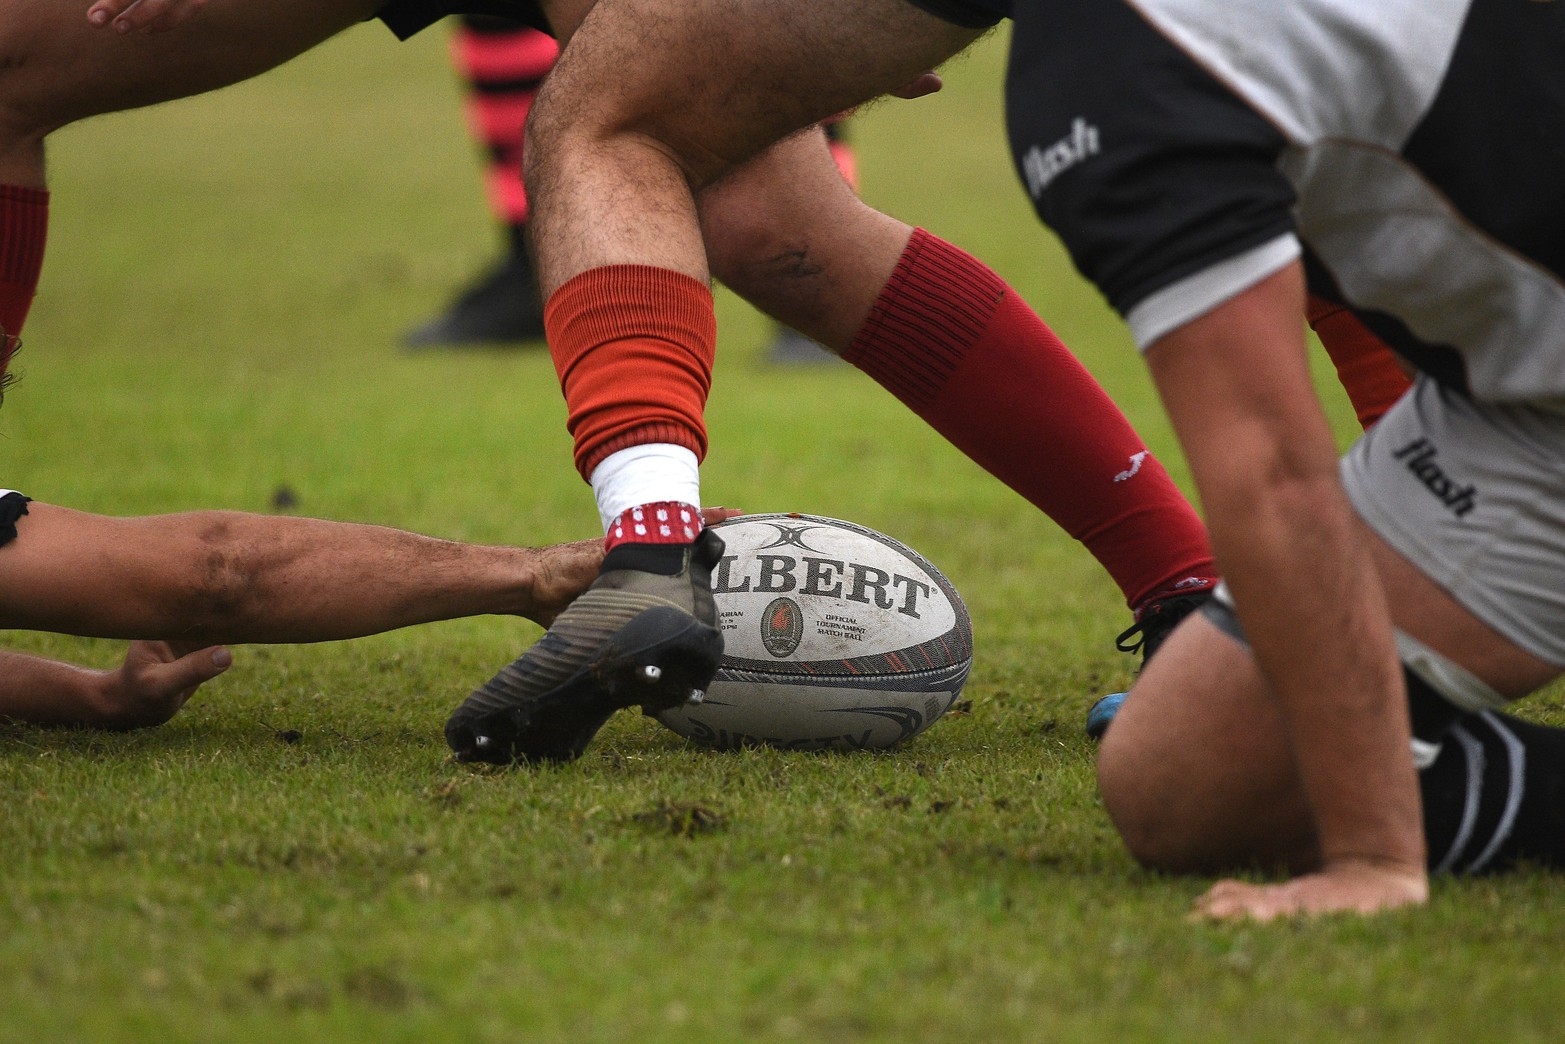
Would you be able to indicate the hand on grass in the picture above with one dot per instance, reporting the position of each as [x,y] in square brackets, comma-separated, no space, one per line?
[155,681]
[149,16]
[1350,886]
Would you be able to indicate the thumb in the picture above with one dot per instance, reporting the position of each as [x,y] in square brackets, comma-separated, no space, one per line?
[192,669]
[928,83]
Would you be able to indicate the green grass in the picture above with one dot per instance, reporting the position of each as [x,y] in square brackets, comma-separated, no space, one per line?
[294,857]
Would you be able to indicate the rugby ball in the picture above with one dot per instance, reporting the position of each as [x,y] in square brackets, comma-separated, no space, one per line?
[835,637]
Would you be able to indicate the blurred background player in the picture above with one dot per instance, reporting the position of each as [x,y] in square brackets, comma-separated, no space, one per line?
[502,63]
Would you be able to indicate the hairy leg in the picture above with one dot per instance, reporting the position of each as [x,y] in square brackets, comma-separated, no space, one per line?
[227,577]
[619,143]
[649,103]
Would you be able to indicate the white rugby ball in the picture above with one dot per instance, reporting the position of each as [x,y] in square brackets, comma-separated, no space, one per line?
[835,636]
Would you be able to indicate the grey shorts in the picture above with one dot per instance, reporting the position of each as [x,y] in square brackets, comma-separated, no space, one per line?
[1473,494]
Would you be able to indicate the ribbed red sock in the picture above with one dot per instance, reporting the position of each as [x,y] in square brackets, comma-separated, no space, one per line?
[24,223]
[958,346]
[633,346]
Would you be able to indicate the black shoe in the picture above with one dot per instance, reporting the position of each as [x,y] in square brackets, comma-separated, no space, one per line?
[789,347]
[644,633]
[501,308]
[1153,625]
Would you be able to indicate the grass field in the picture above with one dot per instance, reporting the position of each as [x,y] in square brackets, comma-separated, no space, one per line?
[294,856]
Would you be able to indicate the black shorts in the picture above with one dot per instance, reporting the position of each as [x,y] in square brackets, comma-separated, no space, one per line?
[406,17]
[969,14]
[12,507]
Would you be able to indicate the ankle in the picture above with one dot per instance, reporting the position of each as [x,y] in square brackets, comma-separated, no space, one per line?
[661,523]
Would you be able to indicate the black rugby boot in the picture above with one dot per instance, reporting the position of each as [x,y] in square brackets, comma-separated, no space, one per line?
[502,307]
[645,633]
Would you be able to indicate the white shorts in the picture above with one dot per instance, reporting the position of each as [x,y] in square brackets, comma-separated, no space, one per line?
[1473,494]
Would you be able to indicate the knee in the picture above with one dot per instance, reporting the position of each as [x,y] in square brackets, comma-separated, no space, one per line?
[748,249]
[547,129]
[572,113]
[33,100]
[579,121]
[1153,789]
[1145,823]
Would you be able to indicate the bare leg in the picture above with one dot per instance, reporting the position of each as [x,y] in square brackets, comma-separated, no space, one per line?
[788,234]
[56,69]
[611,162]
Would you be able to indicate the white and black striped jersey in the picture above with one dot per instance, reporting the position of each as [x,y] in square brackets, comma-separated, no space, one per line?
[1412,151]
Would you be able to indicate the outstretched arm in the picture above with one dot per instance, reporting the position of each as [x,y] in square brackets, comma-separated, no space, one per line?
[154,682]
[203,579]
[1237,388]
[215,577]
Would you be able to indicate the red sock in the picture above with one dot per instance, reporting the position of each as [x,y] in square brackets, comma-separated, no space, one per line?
[1366,367]
[633,346]
[24,222]
[958,346]
[666,522]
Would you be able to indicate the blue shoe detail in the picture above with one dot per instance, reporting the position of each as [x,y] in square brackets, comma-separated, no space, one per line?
[1102,713]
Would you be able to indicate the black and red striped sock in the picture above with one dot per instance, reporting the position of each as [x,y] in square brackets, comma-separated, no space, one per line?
[503,63]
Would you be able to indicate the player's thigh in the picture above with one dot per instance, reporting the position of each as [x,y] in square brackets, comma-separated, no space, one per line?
[55,68]
[1196,770]
[716,81]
